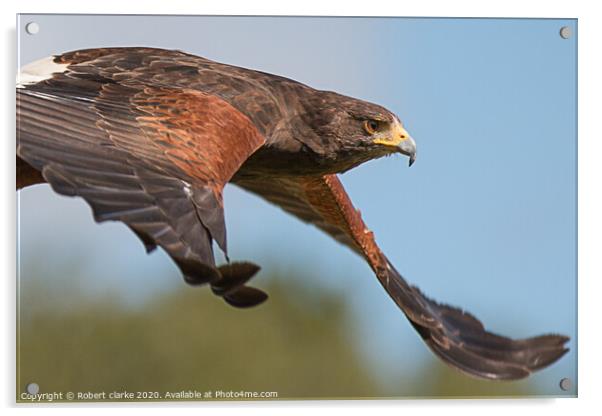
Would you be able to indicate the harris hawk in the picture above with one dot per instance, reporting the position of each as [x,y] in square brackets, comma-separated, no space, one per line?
[150,137]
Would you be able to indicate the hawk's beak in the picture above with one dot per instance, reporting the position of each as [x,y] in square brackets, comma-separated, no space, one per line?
[406,144]
[408,148]
[397,139]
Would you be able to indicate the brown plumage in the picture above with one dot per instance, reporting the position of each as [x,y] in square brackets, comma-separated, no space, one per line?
[150,137]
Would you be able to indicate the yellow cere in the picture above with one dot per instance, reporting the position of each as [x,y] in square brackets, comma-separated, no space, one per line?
[394,136]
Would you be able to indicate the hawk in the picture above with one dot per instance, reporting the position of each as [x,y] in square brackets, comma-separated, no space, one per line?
[150,137]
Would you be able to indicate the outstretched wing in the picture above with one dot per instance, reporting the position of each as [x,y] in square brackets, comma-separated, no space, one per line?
[456,336]
[153,157]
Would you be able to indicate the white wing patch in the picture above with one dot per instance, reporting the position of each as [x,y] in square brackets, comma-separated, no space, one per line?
[39,71]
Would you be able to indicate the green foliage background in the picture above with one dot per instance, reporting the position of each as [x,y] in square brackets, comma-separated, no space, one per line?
[298,344]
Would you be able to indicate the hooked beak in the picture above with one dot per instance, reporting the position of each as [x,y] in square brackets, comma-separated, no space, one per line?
[397,139]
[408,148]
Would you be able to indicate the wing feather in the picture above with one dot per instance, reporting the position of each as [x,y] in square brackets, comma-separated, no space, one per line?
[455,336]
[153,157]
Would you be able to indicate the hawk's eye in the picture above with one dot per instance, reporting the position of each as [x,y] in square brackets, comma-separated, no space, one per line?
[371,126]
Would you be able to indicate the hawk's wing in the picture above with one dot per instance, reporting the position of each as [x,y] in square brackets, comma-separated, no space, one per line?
[454,335]
[153,157]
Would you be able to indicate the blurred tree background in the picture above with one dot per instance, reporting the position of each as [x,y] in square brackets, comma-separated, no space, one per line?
[500,242]
[297,344]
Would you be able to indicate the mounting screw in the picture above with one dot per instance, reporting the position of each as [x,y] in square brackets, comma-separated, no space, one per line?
[32,28]
[565,384]
[32,388]
[565,32]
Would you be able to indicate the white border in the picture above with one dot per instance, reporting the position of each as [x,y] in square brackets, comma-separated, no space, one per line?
[590,189]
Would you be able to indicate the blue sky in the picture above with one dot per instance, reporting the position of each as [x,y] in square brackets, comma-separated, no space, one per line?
[485,219]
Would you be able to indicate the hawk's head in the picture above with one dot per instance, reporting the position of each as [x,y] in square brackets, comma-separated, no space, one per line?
[351,131]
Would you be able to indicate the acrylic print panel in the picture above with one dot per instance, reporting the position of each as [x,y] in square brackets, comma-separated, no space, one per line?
[484,220]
